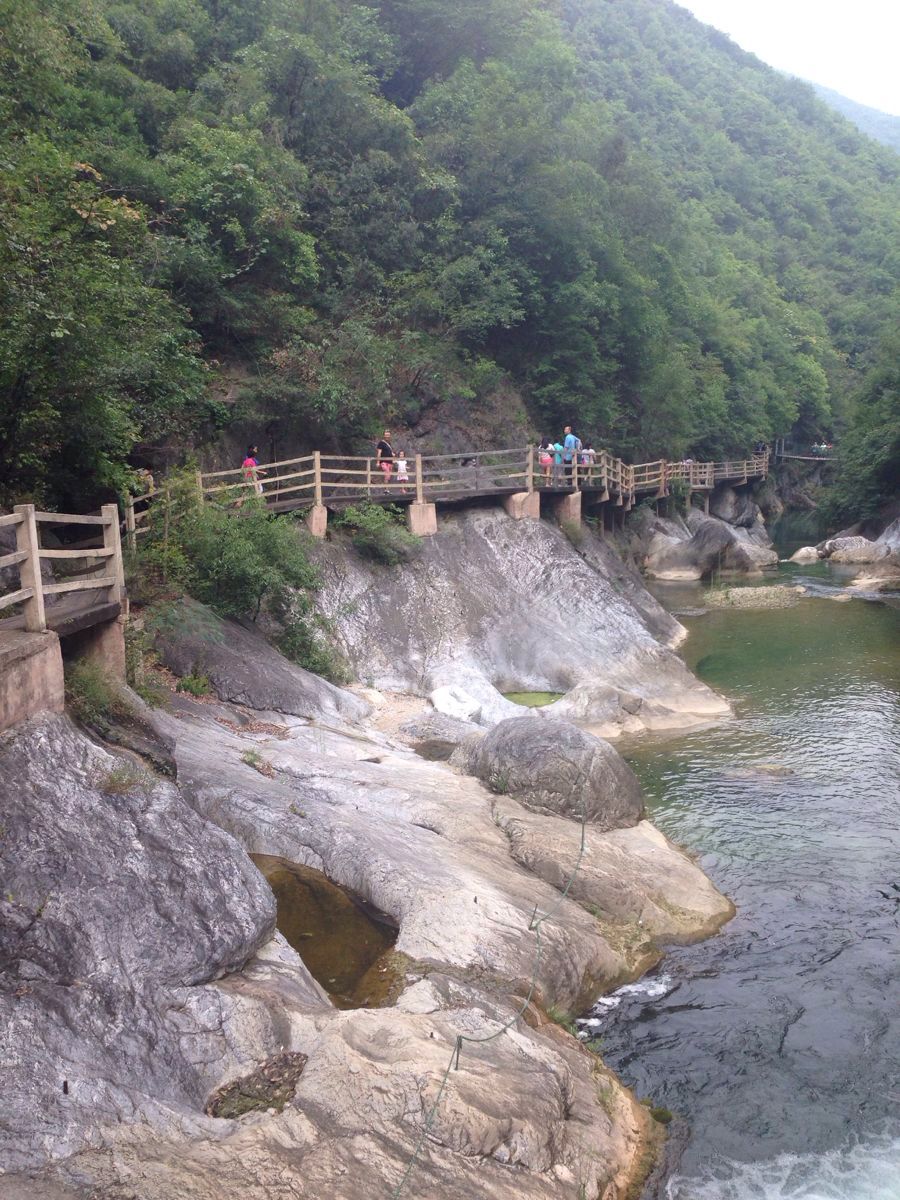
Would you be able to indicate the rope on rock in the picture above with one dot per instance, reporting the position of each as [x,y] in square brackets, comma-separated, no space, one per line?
[534,926]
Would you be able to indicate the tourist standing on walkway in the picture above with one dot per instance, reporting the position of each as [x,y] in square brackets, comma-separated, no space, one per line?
[557,463]
[250,470]
[571,446]
[402,469]
[545,457]
[588,458]
[384,455]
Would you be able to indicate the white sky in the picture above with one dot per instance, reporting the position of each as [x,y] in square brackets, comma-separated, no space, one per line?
[852,46]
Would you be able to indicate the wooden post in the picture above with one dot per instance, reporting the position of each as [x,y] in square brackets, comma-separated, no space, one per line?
[368,479]
[420,489]
[199,481]
[130,525]
[27,540]
[317,477]
[113,542]
[529,469]
[663,471]
[575,470]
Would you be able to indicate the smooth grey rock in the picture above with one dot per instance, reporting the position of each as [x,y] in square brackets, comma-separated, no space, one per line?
[114,891]
[890,538]
[805,554]
[733,507]
[494,605]
[702,545]
[435,735]
[552,766]
[244,669]
[142,1040]
[456,703]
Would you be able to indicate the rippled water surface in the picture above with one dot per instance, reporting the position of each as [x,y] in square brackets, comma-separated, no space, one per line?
[779,1039]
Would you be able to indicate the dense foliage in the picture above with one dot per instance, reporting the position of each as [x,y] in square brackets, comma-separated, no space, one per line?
[609,210]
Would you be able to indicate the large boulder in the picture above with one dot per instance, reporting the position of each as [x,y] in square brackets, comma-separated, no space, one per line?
[852,550]
[552,766]
[806,554]
[702,545]
[243,668]
[114,892]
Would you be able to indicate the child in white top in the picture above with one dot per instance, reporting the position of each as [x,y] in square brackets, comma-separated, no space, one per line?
[402,469]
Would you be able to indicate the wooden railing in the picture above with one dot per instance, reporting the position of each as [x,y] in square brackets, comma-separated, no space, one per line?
[318,478]
[29,553]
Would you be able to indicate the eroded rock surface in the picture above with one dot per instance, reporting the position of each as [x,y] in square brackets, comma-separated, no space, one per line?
[137,972]
[494,605]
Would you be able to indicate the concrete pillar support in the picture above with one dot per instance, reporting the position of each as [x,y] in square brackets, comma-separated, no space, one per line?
[568,507]
[31,676]
[421,519]
[103,644]
[317,520]
[523,504]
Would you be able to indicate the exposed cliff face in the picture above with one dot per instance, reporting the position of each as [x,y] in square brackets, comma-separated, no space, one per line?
[493,605]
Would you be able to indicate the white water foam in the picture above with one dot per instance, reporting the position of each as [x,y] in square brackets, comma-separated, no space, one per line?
[653,988]
[868,1170]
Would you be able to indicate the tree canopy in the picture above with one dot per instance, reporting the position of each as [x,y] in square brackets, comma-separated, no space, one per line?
[605,209]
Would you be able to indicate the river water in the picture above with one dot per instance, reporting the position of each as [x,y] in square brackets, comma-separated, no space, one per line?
[778,1041]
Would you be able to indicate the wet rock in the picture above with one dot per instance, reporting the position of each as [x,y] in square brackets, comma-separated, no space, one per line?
[145,904]
[244,669]
[553,766]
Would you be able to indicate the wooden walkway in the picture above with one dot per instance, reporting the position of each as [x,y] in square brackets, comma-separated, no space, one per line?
[94,591]
[318,479]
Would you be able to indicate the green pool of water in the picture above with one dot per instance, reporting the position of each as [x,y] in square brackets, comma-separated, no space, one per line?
[342,941]
[533,699]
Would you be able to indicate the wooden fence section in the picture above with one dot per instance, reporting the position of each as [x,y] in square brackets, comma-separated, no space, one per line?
[29,553]
[317,478]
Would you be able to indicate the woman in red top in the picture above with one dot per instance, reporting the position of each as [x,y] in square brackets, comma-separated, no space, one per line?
[251,471]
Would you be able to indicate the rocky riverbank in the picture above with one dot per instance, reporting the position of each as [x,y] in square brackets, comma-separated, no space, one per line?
[141,970]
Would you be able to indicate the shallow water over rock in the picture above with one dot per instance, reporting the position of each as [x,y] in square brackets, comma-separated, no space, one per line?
[779,1039]
[339,937]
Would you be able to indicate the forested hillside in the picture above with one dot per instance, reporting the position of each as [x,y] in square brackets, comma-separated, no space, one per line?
[881,126]
[609,211]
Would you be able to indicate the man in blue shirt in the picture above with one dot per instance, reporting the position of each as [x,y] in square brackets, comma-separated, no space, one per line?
[570,444]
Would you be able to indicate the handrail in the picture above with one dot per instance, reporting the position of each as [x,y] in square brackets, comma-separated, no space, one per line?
[318,478]
[29,552]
